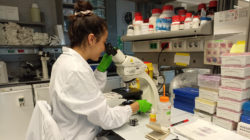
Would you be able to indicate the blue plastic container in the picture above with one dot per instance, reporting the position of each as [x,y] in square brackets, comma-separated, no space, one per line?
[187,92]
[245,119]
[183,106]
[184,100]
[246,108]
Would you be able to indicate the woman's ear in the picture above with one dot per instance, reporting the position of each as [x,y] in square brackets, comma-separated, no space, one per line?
[91,39]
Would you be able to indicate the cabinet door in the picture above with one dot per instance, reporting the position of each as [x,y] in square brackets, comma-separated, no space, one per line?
[16,108]
[42,92]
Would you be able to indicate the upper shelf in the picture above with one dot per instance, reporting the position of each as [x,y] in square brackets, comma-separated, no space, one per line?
[24,23]
[205,29]
[71,5]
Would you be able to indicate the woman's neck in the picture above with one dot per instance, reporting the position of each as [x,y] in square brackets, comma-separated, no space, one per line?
[82,52]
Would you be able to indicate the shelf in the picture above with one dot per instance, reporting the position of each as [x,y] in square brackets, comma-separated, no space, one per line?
[71,6]
[29,46]
[24,23]
[24,49]
[206,29]
[23,83]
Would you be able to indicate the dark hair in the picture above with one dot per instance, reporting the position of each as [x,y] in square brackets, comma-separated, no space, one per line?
[81,25]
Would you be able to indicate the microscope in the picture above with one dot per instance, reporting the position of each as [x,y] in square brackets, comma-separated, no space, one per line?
[129,68]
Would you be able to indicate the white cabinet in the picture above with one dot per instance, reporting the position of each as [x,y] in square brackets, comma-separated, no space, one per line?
[16,106]
[41,92]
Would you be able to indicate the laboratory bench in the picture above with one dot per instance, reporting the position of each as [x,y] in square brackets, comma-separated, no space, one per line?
[139,131]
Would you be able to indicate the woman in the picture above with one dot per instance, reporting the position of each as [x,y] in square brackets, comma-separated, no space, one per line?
[79,108]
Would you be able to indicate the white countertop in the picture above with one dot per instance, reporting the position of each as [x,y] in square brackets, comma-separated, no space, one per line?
[138,132]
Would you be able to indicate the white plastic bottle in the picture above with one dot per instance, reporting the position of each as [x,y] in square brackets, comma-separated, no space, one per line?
[164,111]
[196,22]
[175,26]
[35,13]
[166,16]
[155,15]
[137,25]
[188,21]
[135,15]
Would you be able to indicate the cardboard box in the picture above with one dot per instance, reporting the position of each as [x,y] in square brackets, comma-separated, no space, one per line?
[231,21]
[9,13]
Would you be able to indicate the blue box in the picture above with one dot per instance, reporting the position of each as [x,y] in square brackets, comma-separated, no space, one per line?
[245,119]
[184,100]
[246,108]
[187,92]
[184,106]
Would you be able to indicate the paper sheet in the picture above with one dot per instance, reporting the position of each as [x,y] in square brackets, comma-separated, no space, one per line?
[203,130]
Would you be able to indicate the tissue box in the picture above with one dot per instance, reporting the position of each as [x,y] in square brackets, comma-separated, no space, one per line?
[225,123]
[210,94]
[230,104]
[205,105]
[233,93]
[241,59]
[242,83]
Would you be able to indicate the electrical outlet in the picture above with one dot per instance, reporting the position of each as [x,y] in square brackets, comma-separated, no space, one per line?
[195,45]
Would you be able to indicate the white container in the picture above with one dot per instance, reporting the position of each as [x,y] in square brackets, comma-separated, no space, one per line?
[196,22]
[228,114]
[3,73]
[241,83]
[130,30]
[154,17]
[188,21]
[144,28]
[137,25]
[35,13]
[210,94]
[237,94]
[151,29]
[167,13]
[135,15]
[239,71]
[231,104]
[243,129]
[205,105]
[164,112]
[203,115]
[241,59]
[209,81]
[175,26]
[225,123]
[204,20]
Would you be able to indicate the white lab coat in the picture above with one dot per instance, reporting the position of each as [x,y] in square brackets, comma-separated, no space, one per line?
[79,107]
[42,126]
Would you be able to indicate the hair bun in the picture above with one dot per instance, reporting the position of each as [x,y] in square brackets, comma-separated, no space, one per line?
[82,5]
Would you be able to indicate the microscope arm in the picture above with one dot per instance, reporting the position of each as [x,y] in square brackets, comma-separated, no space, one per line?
[129,68]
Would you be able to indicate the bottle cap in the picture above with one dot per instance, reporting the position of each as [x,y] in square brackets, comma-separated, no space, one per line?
[213,3]
[176,18]
[182,12]
[196,16]
[188,15]
[146,20]
[156,11]
[152,117]
[138,18]
[137,14]
[168,8]
[34,5]
[182,18]
[164,99]
[202,5]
